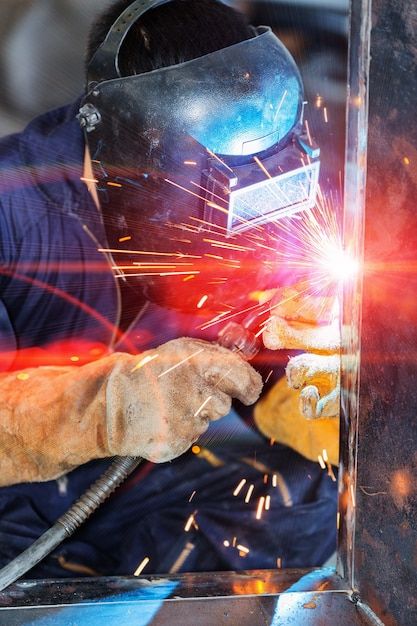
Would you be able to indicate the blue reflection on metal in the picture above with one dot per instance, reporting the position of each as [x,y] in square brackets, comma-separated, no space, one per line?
[133,608]
[302,594]
[254,125]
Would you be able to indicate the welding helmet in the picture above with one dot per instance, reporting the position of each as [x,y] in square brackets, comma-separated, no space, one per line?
[196,163]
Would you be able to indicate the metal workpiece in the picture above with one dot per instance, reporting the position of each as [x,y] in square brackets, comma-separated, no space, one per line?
[385,546]
[208,585]
[300,610]
[353,228]
[276,598]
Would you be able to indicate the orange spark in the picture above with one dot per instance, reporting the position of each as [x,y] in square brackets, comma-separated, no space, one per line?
[202,302]
[142,566]
[146,266]
[213,205]
[262,167]
[144,361]
[196,414]
[177,255]
[308,133]
[249,493]
[280,104]
[190,522]
[268,377]
[206,223]
[213,195]
[174,367]
[214,256]
[219,159]
[162,274]
[239,487]
[260,508]
[330,472]
[352,493]
[229,246]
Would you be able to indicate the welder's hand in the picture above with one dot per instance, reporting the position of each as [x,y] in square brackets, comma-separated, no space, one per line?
[318,378]
[159,403]
[300,321]
[53,419]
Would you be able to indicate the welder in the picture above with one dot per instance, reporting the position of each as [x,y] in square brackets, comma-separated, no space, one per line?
[128,221]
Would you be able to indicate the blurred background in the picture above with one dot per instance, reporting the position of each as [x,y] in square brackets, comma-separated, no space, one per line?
[42,46]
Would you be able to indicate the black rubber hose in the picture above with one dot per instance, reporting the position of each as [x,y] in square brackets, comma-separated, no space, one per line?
[80,511]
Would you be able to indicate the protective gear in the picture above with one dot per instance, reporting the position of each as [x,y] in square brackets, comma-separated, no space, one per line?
[302,321]
[318,377]
[154,405]
[194,160]
[278,417]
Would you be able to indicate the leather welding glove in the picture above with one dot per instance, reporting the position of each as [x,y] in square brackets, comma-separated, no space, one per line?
[303,322]
[155,405]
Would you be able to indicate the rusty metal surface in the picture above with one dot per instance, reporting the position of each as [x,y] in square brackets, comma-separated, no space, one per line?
[386,526]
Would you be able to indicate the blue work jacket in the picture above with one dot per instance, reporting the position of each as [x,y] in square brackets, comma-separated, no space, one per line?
[56,286]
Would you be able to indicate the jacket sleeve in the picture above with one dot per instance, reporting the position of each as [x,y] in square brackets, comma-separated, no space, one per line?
[52,419]
[7,338]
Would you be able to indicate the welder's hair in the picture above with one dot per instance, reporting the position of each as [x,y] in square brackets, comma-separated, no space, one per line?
[172,33]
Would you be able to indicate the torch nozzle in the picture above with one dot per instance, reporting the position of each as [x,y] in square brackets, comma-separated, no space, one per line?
[241,337]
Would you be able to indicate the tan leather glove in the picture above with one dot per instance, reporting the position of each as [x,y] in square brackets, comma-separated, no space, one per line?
[155,405]
[300,321]
[312,390]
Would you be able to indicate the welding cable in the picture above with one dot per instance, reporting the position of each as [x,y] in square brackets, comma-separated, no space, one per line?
[76,515]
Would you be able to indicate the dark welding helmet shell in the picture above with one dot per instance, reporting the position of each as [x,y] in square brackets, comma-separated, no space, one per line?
[151,137]
[238,101]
